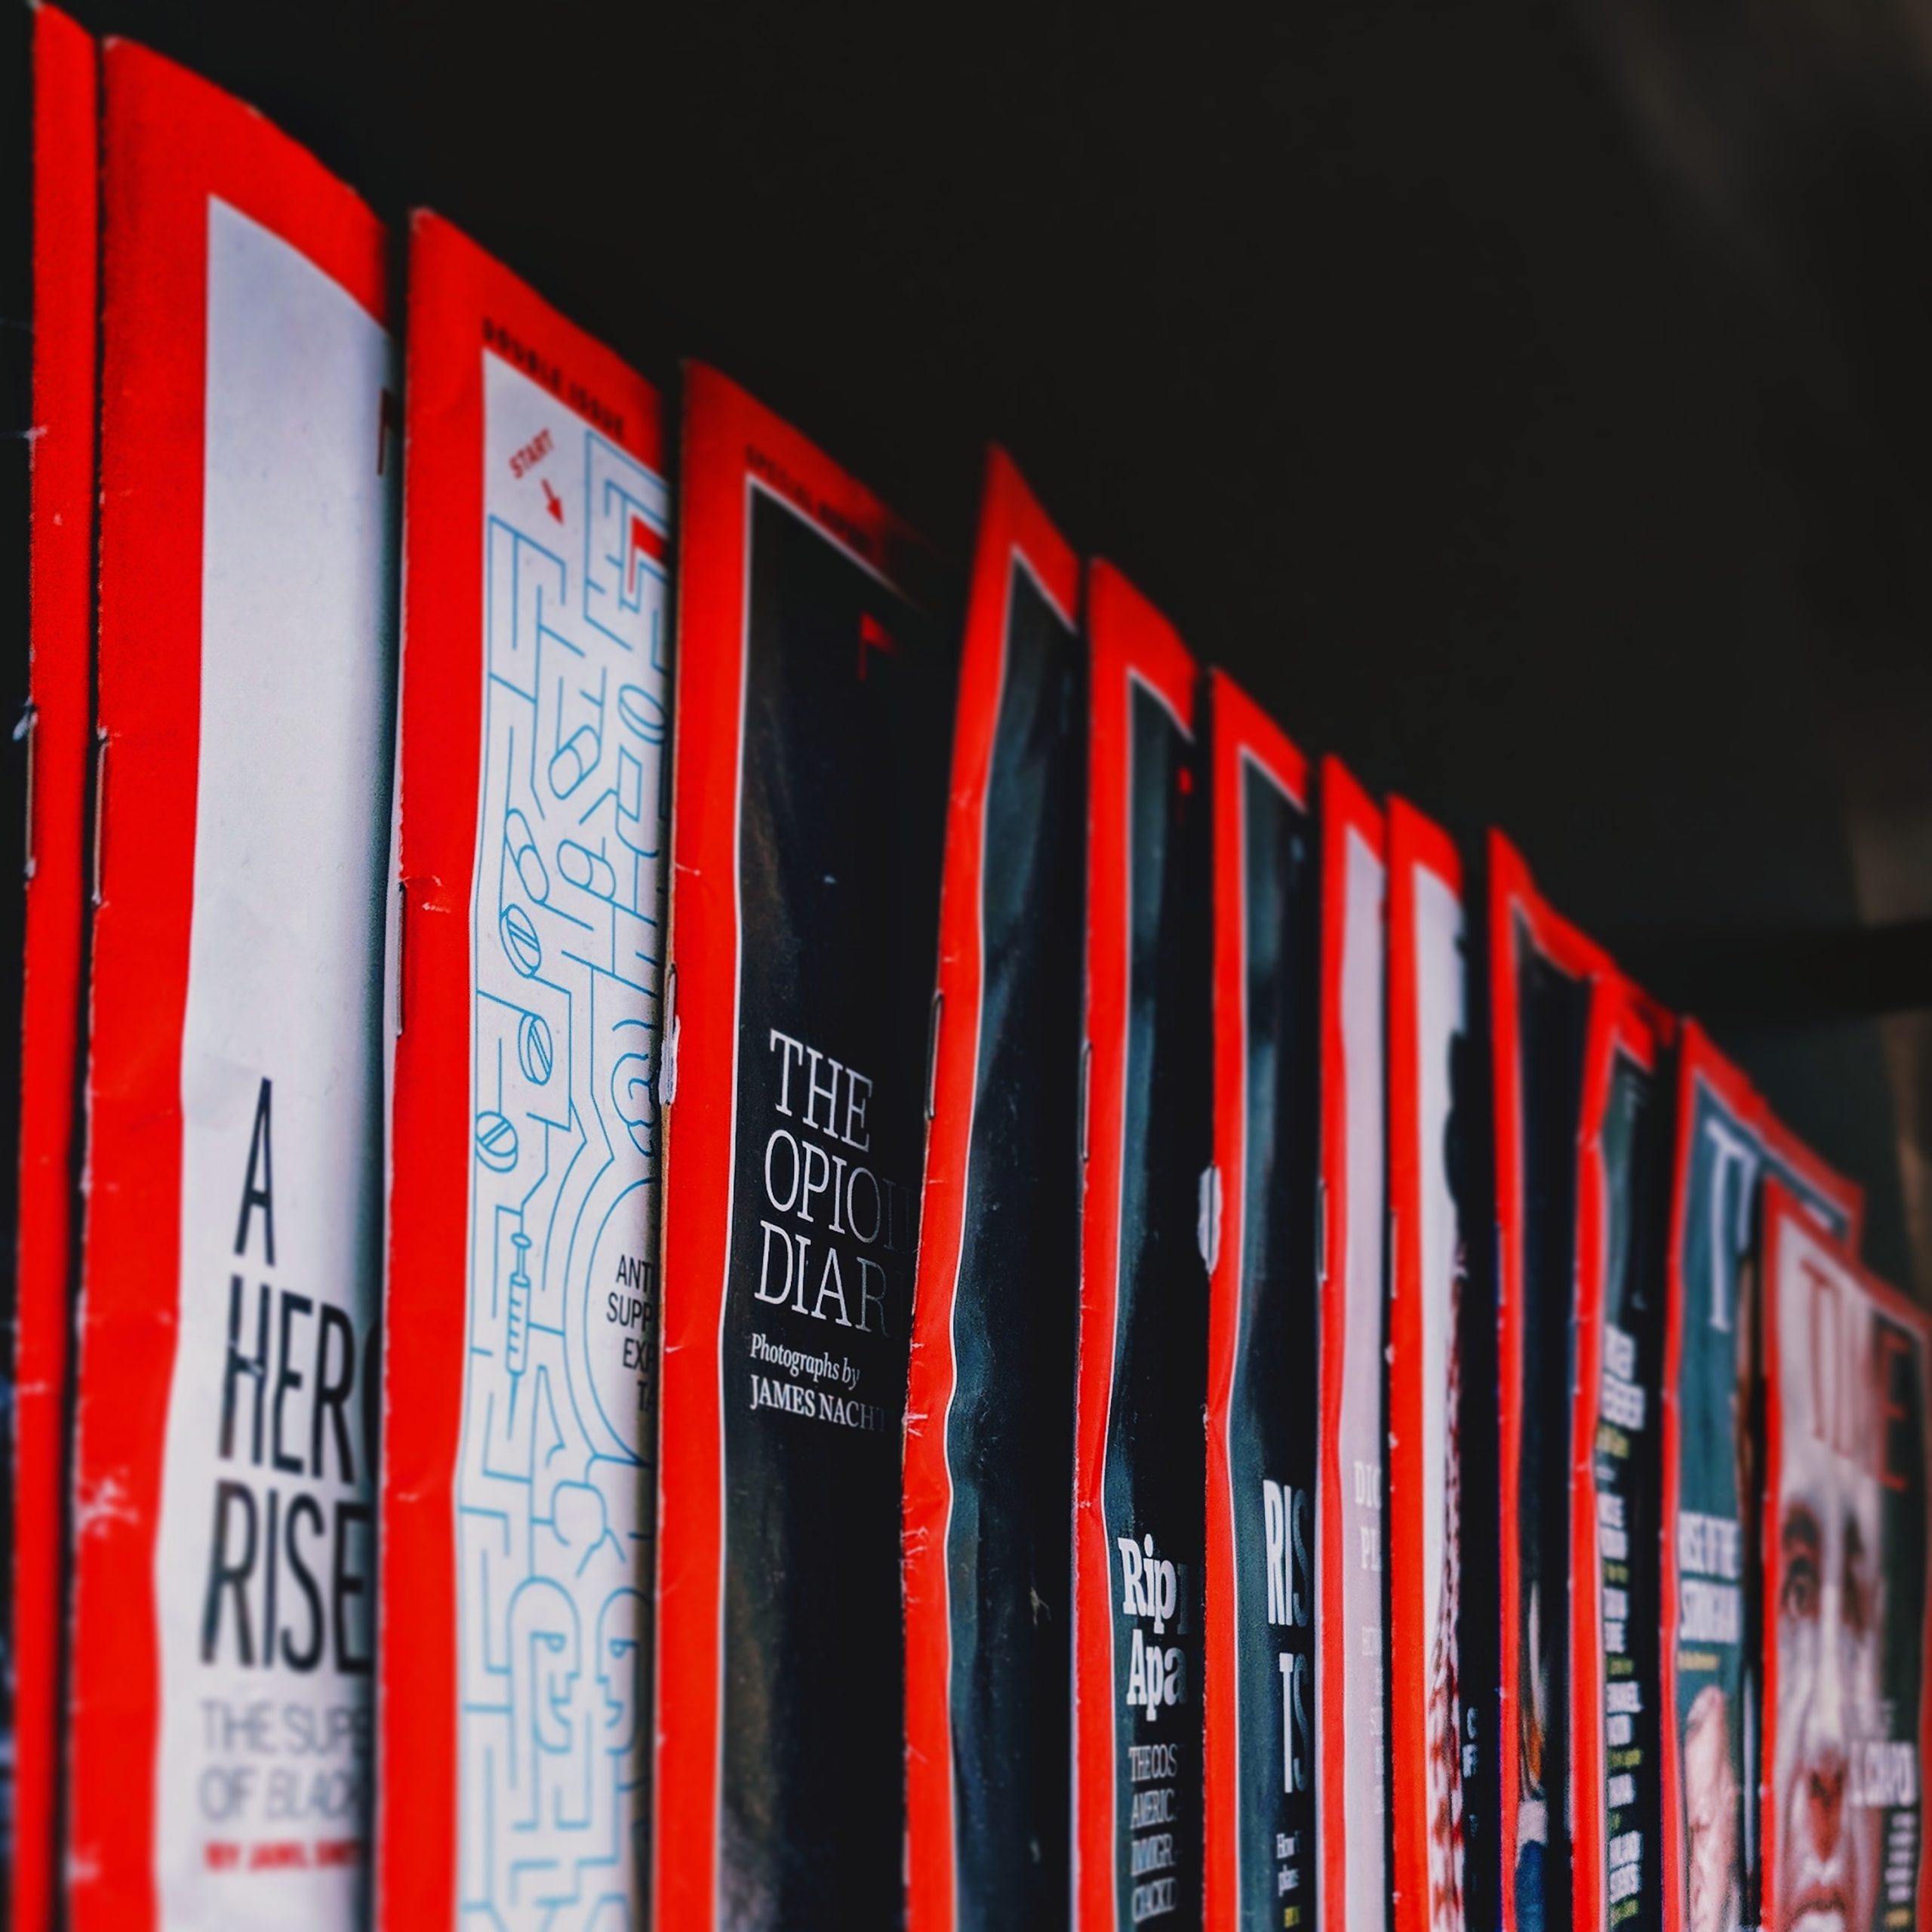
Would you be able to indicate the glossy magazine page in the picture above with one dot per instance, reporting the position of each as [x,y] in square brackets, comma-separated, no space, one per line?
[1351,1518]
[519,1486]
[1259,1689]
[1615,1489]
[989,1397]
[1140,1472]
[223,1632]
[817,673]
[1432,1119]
[1845,1595]
[66,208]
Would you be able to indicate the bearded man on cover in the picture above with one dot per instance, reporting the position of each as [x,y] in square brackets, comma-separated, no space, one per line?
[1829,1610]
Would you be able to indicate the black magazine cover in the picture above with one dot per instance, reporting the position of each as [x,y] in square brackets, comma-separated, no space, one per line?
[989,1397]
[1616,1490]
[1262,1440]
[1140,1455]
[814,713]
[1539,972]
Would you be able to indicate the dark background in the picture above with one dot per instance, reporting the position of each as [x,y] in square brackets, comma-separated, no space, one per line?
[1531,402]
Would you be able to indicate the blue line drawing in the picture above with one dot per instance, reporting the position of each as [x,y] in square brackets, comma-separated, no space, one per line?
[556,1488]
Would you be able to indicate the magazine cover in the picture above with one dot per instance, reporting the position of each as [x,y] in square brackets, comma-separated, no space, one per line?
[520,1356]
[1615,1488]
[1259,1692]
[1726,1142]
[814,703]
[65,210]
[223,1629]
[1351,1521]
[1540,973]
[1430,1069]
[989,1393]
[1845,1601]
[1140,1472]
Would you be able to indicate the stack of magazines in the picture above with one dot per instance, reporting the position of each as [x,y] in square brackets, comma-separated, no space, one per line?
[719,1228]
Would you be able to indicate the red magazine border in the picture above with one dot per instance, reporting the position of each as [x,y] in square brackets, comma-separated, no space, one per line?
[67,267]
[1240,735]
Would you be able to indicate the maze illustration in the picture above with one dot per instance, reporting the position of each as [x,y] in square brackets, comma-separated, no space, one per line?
[556,1487]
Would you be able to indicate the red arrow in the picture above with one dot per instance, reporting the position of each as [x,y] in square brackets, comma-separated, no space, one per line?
[552,501]
[645,542]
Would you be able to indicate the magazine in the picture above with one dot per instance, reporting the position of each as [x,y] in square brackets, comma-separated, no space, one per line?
[1615,1477]
[519,1480]
[1539,972]
[1727,1142]
[990,1396]
[1139,1459]
[1848,1613]
[816,674]
[1431,1066]
[1259,1689]
[223,1632]
[1351,1515]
